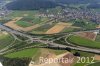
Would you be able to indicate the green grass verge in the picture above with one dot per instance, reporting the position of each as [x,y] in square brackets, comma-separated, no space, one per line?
[83,42]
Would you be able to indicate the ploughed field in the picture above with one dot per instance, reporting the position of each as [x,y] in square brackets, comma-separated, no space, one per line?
[58,28]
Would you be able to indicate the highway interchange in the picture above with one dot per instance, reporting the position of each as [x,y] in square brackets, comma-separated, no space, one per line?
[50,43]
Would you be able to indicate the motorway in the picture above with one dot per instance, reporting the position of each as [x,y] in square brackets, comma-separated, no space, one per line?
[52,44]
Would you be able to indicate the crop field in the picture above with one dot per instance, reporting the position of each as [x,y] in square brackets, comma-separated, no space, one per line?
[21,49]
[94,64]
[24,53]
[17,13]
[34,53]
[5,40]
[26,26]
[83,54]
[42,29]
[83,42]
[71,29]
[23,24]
[27,22]
[98,38]
[58,28]
[12,24]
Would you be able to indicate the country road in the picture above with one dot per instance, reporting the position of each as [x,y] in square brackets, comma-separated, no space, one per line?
[36,39]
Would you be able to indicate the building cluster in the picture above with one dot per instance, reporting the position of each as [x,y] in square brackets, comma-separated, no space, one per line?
[82,14]
[3,10]
[70,14]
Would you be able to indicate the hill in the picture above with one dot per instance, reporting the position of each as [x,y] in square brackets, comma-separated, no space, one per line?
[44,4]
[30,4]
[77,1]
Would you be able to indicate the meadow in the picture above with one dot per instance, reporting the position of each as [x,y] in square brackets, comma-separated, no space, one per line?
[5,40]
[83,42]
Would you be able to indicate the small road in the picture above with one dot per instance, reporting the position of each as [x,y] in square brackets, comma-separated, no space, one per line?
[36,39]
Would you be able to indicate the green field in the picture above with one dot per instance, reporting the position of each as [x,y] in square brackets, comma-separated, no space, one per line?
[83,42]
[33,53]
[5,40]
[71,29]
[94,64]
[98,38]
[19,13]
[42,29]
[86,24]
[29,21]
[34,20]
[83,54]
[23,24]
[24,53]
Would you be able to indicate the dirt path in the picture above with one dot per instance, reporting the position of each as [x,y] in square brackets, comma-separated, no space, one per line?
[58,28]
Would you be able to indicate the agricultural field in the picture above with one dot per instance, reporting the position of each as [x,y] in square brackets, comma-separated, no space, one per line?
[83,54]
[27,22]
[83,42]
[58,28]
[88,35]
[34,53]
[22,25]
[42,29]
[24,53]
[72,29]
[17,13]
[5,39]
[94,64]
[98,38]
[85,24]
